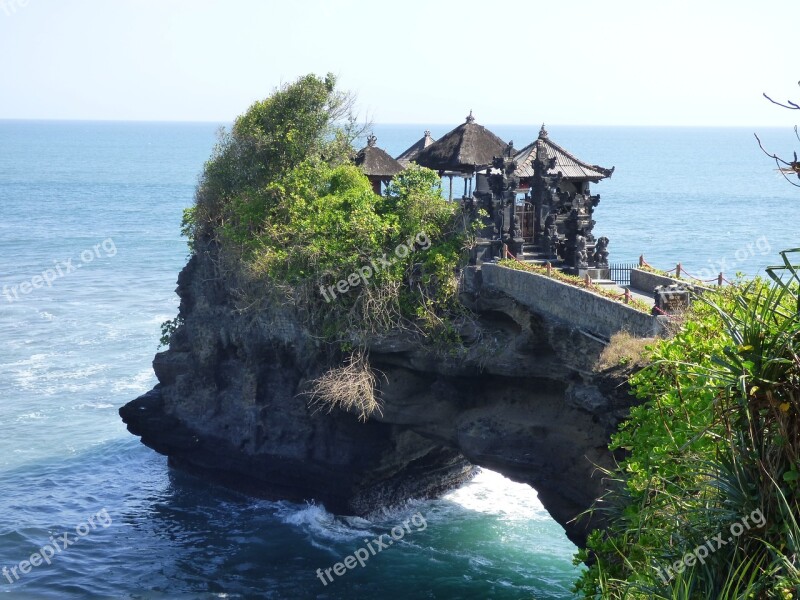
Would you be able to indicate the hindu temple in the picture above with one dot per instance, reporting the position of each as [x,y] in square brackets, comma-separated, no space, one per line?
[534,204]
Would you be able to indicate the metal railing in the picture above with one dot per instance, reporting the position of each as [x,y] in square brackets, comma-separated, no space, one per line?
[679,270]
[621,273]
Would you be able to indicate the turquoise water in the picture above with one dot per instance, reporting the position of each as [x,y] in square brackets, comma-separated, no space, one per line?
[96,208]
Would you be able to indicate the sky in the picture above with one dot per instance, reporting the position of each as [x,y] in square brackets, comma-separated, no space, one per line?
[567,62]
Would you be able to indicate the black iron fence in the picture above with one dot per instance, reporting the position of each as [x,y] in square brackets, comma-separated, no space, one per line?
[621,272]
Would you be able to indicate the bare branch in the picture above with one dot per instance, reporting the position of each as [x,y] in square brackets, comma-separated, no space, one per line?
[789,104]
[773,156]
[790,167]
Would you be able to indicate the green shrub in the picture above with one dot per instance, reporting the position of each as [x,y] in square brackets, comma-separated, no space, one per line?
[716,439]
[287,212]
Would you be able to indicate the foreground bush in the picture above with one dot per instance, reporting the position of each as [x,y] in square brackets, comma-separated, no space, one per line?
[707,500]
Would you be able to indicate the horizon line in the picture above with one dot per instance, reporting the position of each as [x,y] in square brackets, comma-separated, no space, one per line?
[409,124]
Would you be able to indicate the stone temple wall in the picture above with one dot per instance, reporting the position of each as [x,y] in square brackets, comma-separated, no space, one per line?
[580,307]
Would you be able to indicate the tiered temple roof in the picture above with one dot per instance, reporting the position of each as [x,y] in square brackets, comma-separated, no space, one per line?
[565,163]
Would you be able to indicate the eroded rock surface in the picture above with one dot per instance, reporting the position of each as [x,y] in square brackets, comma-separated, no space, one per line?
[522,400]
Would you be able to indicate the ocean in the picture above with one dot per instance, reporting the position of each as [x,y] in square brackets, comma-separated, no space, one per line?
[90,250]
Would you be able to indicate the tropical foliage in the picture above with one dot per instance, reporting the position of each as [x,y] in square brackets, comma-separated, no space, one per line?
[712,457]
[286,211]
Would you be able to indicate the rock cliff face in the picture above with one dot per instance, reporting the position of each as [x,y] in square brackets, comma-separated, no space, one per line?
[522,400]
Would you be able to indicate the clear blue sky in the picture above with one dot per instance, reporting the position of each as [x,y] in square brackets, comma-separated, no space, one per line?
[618,62]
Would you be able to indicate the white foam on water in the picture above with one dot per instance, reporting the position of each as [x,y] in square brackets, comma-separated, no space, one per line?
[47,376]
[87,385]
[492,494]
[34,416]
[32,360]
[159,319]
[139,383]
[93,405]
[80,373]
[319,523]
[27,373]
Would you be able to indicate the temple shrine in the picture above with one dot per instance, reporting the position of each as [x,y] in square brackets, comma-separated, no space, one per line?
[377,165]
[535,203]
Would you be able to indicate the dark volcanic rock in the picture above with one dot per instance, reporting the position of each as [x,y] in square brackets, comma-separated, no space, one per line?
[522,400]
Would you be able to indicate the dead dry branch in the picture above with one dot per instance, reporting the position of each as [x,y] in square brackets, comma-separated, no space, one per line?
[350,387]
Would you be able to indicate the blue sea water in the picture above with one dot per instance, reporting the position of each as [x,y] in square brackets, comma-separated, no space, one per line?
[95,208]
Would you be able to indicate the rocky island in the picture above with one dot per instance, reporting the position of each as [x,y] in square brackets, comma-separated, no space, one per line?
[523,400]
[513,387]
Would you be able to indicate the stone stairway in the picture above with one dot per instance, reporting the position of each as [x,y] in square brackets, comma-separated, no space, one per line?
[608,283]
[532,253]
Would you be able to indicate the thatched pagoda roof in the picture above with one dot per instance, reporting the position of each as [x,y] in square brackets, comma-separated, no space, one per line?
[412,152]
[375,162]
[463,149]
[565,163]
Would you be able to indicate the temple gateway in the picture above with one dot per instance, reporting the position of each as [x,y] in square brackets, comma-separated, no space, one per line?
[534,203]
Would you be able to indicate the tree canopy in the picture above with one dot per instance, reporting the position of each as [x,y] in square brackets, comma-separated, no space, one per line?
[283,205]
